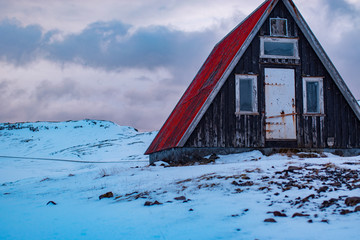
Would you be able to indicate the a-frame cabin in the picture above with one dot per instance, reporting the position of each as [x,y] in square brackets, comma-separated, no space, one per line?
[267,85]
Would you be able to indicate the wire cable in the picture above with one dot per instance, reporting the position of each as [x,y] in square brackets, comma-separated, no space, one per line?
[71,160]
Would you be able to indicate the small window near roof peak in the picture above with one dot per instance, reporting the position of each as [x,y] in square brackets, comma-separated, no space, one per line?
[278,27]
[281,48]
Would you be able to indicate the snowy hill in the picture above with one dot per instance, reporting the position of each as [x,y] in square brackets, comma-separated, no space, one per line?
[89,140]
[239,196]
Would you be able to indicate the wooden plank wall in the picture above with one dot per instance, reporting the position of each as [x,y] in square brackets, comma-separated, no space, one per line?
[220,127]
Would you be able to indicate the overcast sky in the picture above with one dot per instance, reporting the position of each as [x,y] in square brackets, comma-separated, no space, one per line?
[130,61]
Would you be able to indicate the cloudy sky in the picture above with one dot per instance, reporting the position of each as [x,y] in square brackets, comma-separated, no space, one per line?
[130,61]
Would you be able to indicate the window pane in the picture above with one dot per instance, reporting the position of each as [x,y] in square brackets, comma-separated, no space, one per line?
[246,98]
[279,49]
[312,97]
[278,27]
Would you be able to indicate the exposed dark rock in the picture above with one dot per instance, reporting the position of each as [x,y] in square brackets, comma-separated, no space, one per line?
[345,211]
[148,203]
[357,209]
[307,198]
[336,184]
[270,220]
[300,215]
[325,221]
[51,203]
[132,196]
[329,203]
[213,157]
[352,201]
[181,198]
[106,195]
[294,168]
[264,188]
[235,183]
[156,203]
[310,221]
[243,184]
[191,210]
[244,177]
[279,214]
[238,190]
[323,189]
[286,188]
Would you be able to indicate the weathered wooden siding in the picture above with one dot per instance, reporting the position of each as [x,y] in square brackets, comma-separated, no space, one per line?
[339,121]
[220,127]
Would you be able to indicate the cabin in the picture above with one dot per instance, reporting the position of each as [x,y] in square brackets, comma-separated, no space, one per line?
[267,85]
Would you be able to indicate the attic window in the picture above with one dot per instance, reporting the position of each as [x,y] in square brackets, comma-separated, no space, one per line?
[246,94]
[313,95]
[278,27]
[285,48]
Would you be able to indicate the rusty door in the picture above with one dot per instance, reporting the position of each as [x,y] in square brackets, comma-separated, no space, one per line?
[280,111]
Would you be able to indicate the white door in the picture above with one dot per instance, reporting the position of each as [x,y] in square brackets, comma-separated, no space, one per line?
[280,111]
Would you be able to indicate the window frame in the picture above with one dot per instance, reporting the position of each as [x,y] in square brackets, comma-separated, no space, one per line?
[320,80]
[254,78]
[286,24]
[294,41]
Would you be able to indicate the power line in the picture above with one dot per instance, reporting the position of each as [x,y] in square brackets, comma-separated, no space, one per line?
[70,160]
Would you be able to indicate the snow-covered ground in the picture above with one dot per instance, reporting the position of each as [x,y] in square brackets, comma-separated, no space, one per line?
[228,199]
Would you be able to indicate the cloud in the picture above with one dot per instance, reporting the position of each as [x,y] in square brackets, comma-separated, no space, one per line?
[136,97]
[114,46]
[109,45]
[19,44]
[110,70]
[73,16]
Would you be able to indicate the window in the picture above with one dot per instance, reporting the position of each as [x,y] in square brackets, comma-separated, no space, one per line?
[313,95]
[246,94]
[286,48]
[278,27]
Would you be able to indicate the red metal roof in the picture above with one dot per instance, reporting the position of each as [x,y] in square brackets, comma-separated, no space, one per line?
[203,84]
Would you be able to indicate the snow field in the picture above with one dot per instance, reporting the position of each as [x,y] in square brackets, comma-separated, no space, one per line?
[229,199]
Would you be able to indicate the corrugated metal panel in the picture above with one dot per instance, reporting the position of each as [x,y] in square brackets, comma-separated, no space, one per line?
[203,84]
